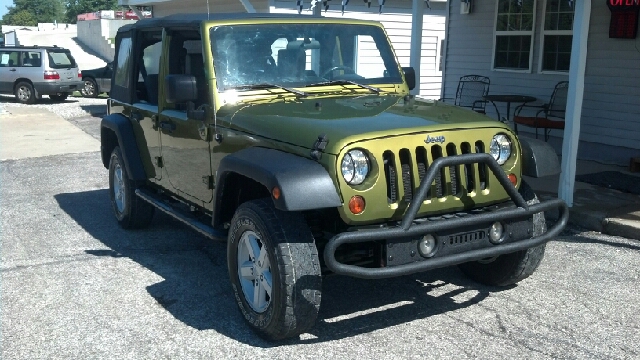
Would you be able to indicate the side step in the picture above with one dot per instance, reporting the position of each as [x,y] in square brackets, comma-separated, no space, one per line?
[182,216]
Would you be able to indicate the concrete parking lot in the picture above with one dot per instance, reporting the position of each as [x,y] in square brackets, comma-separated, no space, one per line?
[76,286]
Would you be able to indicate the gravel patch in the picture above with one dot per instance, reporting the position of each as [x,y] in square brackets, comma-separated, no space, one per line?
[73,107]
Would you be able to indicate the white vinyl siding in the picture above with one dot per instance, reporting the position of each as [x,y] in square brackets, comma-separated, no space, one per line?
[513,41]
[396,18]
[199,6]
[610,124]
[557,35]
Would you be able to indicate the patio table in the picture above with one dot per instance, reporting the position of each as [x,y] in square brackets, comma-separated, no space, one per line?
[508,99]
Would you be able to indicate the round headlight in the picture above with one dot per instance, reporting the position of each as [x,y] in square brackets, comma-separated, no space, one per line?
[355,167]
[500,148]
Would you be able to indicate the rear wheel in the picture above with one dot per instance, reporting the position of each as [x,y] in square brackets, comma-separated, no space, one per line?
[274,269]
[131,211]
[511,268]
[25,93]
[59,97]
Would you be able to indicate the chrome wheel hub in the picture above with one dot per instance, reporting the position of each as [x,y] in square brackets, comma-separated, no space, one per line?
[24,93]
[118,188]
[254,271]
[89,89]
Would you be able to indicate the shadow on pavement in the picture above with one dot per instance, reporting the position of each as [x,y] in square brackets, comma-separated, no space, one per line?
[96,110]
[196,288]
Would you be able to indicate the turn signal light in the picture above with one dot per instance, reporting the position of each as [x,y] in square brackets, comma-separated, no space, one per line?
[275,192]
[356,204]
[514,179]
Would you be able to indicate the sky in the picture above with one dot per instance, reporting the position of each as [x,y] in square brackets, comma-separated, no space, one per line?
[3,6]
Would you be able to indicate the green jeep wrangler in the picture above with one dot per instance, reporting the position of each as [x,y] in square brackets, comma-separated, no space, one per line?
[295,140]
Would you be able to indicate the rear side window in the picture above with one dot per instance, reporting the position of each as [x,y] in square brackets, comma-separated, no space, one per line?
[31,59]
[59,59]
[123,63]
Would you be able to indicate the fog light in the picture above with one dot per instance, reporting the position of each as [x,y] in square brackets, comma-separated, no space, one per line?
[427,246]
[495,233]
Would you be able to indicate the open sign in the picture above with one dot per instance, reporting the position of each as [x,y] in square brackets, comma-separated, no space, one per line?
[623,4]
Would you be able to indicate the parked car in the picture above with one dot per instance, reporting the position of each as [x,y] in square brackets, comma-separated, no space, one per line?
[295,140]
[29,72]
[97,81]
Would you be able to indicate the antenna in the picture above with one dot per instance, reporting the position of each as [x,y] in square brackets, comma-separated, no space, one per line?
[208,16]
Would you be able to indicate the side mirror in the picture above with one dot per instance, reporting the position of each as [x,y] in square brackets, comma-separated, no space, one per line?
[180,89]
[410,77]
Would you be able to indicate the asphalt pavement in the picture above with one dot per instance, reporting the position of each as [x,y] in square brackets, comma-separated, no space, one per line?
[74,285]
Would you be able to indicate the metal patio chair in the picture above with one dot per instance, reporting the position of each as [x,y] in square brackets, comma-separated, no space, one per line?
[549,116]
[470,92]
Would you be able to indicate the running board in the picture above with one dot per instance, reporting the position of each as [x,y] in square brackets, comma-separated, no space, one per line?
[181,216]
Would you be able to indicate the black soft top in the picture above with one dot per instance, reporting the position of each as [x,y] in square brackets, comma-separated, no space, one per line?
[194,20]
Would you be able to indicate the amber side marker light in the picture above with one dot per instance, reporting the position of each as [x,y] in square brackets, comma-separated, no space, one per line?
[513,178]
[356,204]
[275,192]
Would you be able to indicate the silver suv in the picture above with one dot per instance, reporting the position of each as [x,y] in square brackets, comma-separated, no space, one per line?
[29,72]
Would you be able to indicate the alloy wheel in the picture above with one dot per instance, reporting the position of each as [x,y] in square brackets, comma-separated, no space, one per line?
[254,271]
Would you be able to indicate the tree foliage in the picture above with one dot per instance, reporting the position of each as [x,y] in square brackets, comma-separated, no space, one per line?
[32,12]
[76,7]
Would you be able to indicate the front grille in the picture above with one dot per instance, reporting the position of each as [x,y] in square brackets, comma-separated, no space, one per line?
[405,168]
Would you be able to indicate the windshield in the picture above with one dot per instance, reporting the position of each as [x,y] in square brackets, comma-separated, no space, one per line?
[60,59]
[299,55]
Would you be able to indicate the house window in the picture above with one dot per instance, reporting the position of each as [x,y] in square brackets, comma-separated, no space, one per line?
[514,35]
[557,35]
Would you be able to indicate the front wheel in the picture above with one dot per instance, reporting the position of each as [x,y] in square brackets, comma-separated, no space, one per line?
[509,269]
[274,269]
[131,211]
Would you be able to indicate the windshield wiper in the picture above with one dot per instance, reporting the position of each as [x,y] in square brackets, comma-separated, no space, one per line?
[268,86]
[347,82]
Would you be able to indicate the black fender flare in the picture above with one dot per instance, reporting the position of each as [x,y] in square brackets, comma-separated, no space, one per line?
[304,184]
[122,128]
[539,159]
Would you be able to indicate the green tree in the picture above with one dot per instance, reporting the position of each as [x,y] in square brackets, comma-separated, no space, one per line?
[43,11]
[76,7]
[20,18]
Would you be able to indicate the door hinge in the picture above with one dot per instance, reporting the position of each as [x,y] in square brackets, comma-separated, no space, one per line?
[208,180]
[159,162]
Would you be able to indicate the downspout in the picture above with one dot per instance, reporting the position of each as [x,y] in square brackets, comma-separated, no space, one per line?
[415,53]
[247,6]
[575,97]
[445,49]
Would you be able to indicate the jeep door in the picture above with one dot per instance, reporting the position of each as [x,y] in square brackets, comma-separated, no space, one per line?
[185,141]
[134,90]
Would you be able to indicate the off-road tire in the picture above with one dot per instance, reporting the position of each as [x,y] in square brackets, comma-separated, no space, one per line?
[59,98]
[294,268]
[511,268]
[132,212]
[90,88]
[25,93]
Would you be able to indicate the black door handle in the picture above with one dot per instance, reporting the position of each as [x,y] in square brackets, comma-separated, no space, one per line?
[13,70]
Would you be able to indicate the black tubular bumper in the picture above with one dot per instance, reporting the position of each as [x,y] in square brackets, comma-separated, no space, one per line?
[408,228]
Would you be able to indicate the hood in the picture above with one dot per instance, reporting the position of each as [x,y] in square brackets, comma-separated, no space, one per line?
[344,120]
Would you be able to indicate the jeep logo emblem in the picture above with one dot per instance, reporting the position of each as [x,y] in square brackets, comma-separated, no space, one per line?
[433,140]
